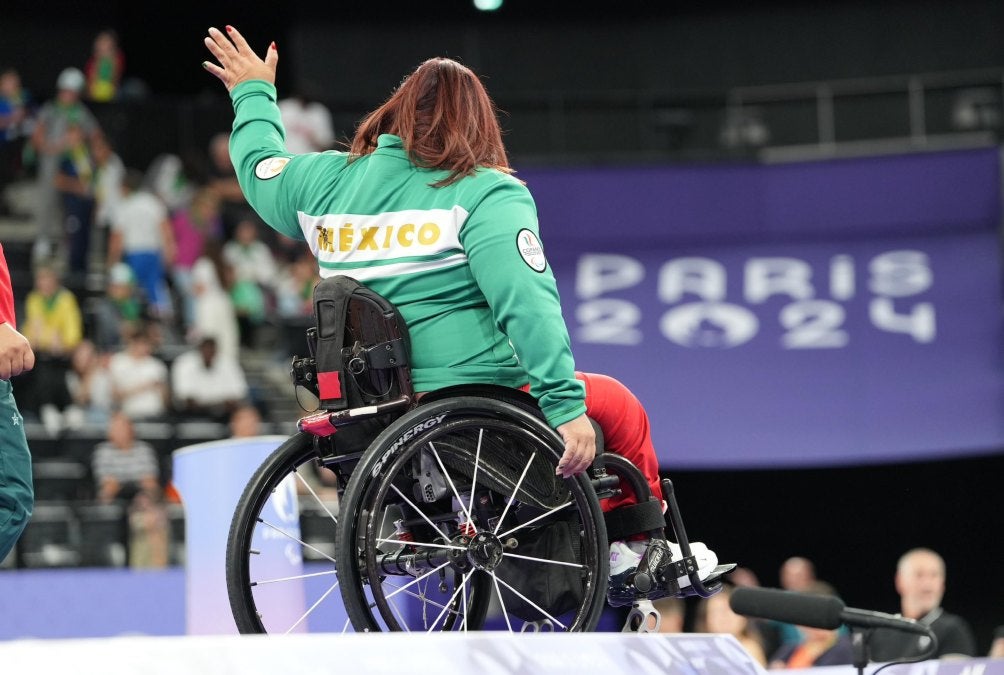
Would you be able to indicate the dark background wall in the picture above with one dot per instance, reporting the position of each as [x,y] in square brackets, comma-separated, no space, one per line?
[361,50]
[854,522]
[577,82]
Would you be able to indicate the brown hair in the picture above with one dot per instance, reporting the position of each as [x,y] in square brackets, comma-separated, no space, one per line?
[444,117]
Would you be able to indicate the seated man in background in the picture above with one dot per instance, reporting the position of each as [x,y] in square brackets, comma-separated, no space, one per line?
[206,383]
[920,582]
[139,378]
[127,470]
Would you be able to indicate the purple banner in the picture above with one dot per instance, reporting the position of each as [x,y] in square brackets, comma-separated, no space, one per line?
[821,314]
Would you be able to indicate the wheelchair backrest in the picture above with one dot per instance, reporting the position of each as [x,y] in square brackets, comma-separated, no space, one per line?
[360,345]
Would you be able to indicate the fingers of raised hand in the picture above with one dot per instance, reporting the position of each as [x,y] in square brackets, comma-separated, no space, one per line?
[219,46]
[240,44]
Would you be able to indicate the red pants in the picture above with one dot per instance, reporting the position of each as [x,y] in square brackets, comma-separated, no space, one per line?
[625,431]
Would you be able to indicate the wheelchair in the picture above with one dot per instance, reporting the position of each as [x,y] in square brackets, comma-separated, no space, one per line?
[448,515]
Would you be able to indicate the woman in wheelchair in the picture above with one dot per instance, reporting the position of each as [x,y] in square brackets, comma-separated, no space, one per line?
[423,211]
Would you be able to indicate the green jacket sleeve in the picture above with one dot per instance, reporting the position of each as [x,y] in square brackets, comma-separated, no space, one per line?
[276,183]
[501,240]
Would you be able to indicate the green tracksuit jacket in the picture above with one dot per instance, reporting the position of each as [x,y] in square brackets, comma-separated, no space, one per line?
[463,263]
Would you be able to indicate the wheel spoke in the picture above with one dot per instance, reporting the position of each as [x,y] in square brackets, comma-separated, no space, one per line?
[310,489]
[465,507]
[451,547]
[530,602]
[313,607]
[515,492]
[460,588]
[477,463]
[498,593]
[415,580]
[293,578]
[463,599]
[415,508]
[296,539]
[544,560]
[534,520]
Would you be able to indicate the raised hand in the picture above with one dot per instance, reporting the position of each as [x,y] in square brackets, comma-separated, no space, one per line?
[238,62]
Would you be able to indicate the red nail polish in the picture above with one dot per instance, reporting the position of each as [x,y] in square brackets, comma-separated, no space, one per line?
[230,29]
[274,47]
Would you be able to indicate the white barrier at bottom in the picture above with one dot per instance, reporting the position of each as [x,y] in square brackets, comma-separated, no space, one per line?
[392,653]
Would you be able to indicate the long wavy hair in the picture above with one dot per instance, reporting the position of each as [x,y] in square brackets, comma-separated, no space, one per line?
[444,117]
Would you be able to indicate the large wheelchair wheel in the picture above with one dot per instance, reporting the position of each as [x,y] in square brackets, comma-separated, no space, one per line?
[269,559]
[458,522]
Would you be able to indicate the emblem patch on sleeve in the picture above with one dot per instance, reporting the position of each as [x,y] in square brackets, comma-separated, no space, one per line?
[531,250]
[271,167]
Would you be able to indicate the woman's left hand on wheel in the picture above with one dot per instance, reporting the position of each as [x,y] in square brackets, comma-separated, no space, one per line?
[238,62]
[580,446]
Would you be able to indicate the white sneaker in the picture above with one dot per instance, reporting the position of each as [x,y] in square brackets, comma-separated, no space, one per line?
[706,560]
[623,558]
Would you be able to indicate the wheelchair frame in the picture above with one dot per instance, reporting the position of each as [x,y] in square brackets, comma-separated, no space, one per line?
[360,570]
[450,527]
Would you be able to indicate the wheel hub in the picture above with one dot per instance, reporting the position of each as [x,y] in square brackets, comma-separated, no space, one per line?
[485,551]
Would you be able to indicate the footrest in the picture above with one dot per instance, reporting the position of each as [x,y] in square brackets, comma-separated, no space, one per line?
[679,568]
[711,585]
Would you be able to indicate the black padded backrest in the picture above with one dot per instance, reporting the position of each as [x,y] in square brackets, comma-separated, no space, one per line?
[363,349]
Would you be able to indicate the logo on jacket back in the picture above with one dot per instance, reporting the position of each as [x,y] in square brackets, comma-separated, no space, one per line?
[531,250]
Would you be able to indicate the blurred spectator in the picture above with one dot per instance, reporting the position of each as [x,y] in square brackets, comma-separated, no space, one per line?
[123,465]
[715,615]
[672,614]
[108,183]
[294,289]
[997,645]
[744,576]
[206,384]
[819,647]
[193,224]
[166,178]
[120,311]
[307,122]
[75,178]
[104,67]
[139,378]
[223,181]
[49,141]
[920,582]
[213,310]
[254,277]
[16,119]
[142,237]
[149,532]
[90,385]
[294,298]
[245,421]
[797,574]
[127,470]
[54,327]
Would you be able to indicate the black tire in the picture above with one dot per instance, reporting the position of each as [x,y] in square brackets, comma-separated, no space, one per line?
[243,586]
[553,544]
